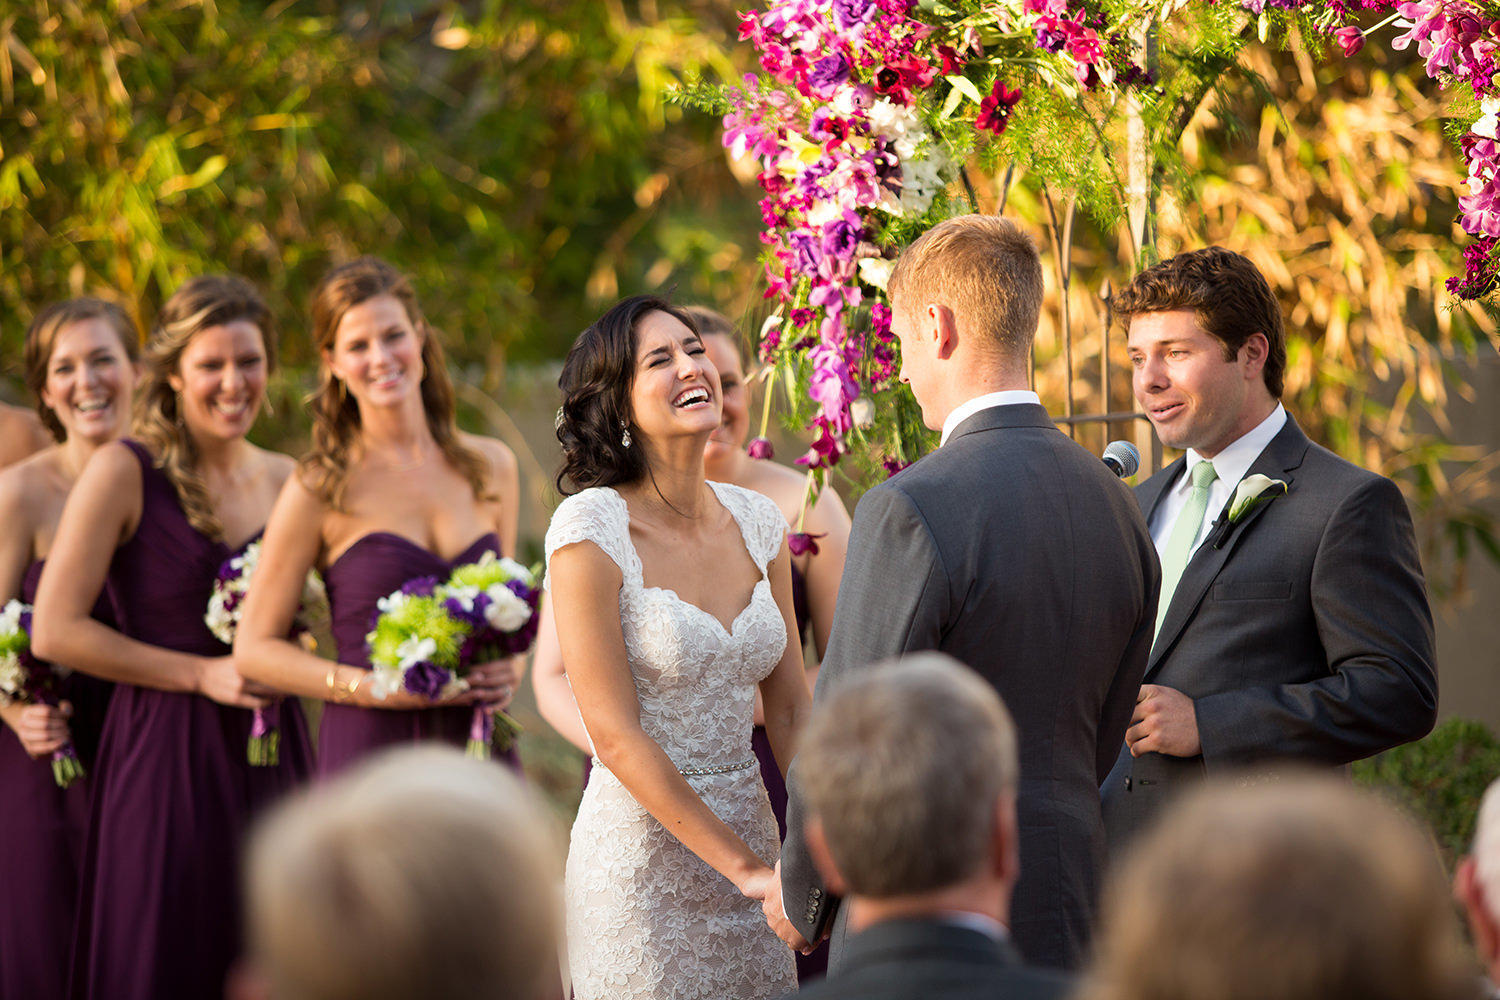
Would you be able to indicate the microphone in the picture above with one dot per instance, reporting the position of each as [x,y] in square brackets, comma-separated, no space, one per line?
[1122,458]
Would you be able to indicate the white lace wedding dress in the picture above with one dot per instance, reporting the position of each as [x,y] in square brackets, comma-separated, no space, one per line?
[646,917]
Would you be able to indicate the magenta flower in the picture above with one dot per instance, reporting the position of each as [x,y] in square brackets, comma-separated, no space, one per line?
[994,111]
[1350,38]
[761,450]
[800,542]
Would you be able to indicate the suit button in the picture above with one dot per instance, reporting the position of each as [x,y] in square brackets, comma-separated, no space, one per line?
[1127,782]
[815,894]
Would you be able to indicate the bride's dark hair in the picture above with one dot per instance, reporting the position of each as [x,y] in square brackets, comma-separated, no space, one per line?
[595,382]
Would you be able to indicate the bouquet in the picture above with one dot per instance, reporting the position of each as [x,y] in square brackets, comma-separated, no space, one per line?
[428,634]
[26,679]
[225,605]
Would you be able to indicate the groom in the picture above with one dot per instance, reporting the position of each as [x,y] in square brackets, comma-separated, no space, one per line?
[1011,549]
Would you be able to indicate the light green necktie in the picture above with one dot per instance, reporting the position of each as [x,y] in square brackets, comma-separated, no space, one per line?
[1184,534]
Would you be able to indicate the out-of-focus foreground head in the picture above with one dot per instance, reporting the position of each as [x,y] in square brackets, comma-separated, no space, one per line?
[420,874]
[1303,888]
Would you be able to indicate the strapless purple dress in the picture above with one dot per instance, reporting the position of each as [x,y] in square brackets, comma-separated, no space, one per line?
[375,566]
[159,915]
[42,834]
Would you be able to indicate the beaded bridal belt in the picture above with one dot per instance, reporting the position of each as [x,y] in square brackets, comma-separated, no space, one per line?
[698,772]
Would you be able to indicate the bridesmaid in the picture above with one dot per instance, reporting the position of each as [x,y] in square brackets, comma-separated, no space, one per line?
[159,914]
[81,366]
[391,491]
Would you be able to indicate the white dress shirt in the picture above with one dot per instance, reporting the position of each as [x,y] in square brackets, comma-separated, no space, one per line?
[1231,464]
[1006,397]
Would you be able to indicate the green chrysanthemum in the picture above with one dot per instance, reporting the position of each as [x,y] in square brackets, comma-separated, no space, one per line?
[418,616]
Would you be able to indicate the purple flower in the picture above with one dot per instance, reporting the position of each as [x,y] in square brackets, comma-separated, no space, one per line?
[831,386]
[799,542]
[1350,38]
[804,244]
[761,449]
[852,13]
[421,586]
[841,239]
[426,679]
[828,72]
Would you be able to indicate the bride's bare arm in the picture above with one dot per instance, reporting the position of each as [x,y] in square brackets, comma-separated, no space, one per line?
[586,601]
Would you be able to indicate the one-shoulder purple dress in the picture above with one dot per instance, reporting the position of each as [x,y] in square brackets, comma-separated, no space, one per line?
[377,565]
[42,834]
[159,915]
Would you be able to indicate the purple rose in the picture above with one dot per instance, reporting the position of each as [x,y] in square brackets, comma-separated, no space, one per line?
[426,679]
[799,542]
[828,72]
[851,13]
[760,449]
[841,239]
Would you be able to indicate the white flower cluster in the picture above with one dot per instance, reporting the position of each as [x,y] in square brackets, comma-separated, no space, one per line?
[924,166]
[12,640]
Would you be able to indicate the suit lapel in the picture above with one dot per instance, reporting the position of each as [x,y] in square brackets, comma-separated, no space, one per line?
[1279,460]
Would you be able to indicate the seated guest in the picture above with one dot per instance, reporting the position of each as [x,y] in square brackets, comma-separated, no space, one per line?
[419,874]
[1477,886]
[916,826]
[1299,889]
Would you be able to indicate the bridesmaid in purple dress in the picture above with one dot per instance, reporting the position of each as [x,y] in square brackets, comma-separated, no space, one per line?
[81,366]
[815,575]
[390,491]
[159,913]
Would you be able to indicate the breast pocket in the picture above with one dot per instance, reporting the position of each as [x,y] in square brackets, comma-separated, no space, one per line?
[1253,590]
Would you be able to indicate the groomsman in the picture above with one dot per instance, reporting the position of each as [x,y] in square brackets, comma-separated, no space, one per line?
[1293,622]
[1013,550]
[921,833]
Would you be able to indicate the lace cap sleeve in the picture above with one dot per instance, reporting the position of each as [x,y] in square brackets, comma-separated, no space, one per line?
[595,515]
[760,520]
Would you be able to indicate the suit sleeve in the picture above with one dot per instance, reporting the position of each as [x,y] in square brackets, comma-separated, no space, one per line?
[893,598]
[1369,603]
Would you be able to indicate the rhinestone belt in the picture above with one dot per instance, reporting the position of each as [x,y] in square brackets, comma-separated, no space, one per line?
[698,772]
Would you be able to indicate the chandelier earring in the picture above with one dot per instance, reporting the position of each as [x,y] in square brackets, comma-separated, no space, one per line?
[624,434]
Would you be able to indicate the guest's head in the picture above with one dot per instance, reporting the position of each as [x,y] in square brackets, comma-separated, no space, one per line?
[1299,889]
[1477,883]
[909,772]
[376,351]
[421,874]
[722,340]
[1208,344]
[207,360]
[81,367]
[965,298]
[628,389]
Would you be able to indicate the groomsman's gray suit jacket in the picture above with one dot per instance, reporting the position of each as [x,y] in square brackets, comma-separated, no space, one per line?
[1016,551]
[1302,632]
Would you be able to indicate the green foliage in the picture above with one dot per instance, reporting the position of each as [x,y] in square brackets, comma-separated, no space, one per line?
[1439,779]
[515,157]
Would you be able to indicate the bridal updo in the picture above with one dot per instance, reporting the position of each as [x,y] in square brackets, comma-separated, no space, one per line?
[596,381]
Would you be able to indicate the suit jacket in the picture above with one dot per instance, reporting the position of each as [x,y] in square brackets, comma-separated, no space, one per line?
[1302,632]
[931,960]
[1017,552]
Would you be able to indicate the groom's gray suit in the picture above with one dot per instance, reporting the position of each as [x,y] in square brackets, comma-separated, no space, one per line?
[1017,552]
[1301,633]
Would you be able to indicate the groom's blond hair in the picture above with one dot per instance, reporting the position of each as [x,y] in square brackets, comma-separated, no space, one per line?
[982,268]
[904,764]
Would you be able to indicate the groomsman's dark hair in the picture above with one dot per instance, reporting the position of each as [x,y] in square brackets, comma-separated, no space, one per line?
[595,414]
[1225,291]
[903,765]
[985,270]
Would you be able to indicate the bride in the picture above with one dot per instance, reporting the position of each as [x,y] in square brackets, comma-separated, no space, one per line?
[673,604]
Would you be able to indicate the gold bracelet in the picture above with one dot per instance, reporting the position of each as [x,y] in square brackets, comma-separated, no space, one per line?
[341,692]
[333,672]
[353,686]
